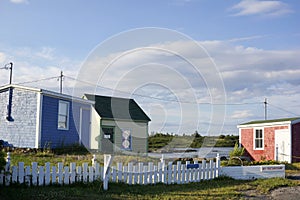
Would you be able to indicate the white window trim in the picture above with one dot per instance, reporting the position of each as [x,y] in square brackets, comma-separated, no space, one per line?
[263,138]
[68,115]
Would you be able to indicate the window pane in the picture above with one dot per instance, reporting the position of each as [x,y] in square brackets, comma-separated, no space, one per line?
[63,108]
[258,133]
[62,118]
[260,144]
[63,112]
[62,125]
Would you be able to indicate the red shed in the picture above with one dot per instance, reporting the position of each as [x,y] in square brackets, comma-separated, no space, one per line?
[277,139]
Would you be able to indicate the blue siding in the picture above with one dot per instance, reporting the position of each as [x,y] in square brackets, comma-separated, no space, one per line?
[50,134]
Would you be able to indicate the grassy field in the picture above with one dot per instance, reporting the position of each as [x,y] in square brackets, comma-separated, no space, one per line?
[221,188]
[160,140]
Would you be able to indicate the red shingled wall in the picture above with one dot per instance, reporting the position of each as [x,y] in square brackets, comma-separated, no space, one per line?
[269,142]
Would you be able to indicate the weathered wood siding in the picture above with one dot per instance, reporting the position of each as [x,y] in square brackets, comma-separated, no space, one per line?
[139,134]
[267,152]
[22,131]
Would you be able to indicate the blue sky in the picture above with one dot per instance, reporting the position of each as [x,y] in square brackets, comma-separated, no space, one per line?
[254,44]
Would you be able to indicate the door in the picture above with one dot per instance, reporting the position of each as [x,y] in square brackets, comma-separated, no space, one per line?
[84,133]
[107,144]
[282,145]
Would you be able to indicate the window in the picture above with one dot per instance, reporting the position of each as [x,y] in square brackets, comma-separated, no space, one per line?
[258,139]
[63,115]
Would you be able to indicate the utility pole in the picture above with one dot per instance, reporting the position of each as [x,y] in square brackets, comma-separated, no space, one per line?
[265,103]
[61,81]
[10,77]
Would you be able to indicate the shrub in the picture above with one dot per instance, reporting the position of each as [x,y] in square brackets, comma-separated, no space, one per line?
[2,160]
[235,157]
[237,151]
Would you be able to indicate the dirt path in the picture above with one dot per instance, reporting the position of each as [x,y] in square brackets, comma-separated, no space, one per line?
[288,193]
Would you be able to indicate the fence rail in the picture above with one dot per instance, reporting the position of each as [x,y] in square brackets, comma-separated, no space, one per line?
[139,173]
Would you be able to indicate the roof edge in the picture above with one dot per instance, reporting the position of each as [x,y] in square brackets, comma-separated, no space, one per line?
[48,93]
[270,122]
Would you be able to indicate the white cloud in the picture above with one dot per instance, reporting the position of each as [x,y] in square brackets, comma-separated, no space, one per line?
[33,65]
[2,57]
[256,7]
[46,53]
[241,114]
[19,1]
[249,74]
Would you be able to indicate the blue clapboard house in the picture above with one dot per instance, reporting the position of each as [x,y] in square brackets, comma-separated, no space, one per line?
[38,118]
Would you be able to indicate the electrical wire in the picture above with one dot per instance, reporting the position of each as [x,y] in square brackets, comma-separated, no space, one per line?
[156,98]
[35,81]
[284,110]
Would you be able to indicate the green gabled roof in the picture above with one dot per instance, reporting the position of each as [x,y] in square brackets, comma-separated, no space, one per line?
[117,108]
[271,121]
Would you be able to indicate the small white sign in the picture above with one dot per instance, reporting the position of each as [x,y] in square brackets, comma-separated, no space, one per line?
[272,168]
[106,136]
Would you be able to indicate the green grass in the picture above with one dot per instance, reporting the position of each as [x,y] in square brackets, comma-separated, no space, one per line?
[159,141]
[53,159]
[292,169]
[221,188]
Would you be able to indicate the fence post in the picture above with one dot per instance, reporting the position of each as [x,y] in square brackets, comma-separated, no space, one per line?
[34,173]
[141,170]
[130,169]
[60,172]
[21,172]
[120,169]
[73,172]
[47,173]
[84,172]
[170,173]
[41,175]
[210,175]
[150,168]
[107,162]
[217,165]
[204,175]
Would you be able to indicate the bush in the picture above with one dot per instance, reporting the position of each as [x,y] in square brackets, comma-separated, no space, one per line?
[235,157]
[2,160]
[237,151]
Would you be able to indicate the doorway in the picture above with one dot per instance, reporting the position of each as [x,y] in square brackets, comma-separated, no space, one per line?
[107,144]
[282,145]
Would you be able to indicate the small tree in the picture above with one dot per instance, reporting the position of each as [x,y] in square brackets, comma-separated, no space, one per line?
[2,160]
[235,155]
[237,151]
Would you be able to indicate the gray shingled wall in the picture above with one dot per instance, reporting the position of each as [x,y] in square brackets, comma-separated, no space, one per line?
[22,131]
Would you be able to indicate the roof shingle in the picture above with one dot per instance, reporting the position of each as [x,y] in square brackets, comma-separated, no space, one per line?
[118,108]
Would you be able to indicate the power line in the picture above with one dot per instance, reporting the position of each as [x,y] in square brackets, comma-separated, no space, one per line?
[284,110]
[35,81]
[160,99]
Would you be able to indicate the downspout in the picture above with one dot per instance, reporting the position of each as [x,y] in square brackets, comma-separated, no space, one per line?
[9,106]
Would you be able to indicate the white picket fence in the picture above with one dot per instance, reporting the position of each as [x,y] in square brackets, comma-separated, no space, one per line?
[139,173]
